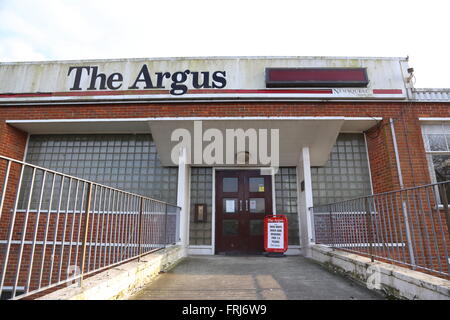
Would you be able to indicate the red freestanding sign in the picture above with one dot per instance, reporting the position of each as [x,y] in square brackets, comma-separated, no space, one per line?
[275,233]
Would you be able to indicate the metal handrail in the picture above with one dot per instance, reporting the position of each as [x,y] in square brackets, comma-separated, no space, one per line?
[384,193]
[408,227]
[79,179]
[71,227]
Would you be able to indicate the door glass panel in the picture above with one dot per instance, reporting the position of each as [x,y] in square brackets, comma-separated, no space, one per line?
[256,184]
[257,205]
[230,184]
[230,227]
[256,227]
[230,205]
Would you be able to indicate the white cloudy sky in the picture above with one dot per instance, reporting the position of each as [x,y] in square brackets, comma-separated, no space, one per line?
[84,29]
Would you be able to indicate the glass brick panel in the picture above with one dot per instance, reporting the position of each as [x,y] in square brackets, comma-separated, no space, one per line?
[286,200]
[124,161]
[346,174]
[201,192]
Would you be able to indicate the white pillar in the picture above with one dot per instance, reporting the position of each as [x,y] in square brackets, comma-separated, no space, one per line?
[305,201]
[183,192]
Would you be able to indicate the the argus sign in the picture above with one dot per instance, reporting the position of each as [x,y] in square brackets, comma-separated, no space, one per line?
[275,233]
[179,81]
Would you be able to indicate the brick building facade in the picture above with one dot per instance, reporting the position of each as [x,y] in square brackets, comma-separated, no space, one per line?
[341,134]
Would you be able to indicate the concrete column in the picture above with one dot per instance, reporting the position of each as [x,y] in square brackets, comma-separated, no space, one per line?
[183,196]
[305,201]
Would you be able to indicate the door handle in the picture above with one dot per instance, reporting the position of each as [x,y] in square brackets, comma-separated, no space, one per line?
[246,205]
[240,205]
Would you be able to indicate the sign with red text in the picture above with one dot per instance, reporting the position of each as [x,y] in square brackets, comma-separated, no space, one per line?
[203,78]
[275,233]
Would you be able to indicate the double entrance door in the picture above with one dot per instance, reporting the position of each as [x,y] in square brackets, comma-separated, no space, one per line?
[243,199]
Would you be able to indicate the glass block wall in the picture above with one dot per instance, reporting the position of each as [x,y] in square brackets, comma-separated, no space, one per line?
[123,161]
[346,174]
[286,200]
[200,233]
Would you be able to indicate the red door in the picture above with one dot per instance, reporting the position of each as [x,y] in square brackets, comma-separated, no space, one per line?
[243,198]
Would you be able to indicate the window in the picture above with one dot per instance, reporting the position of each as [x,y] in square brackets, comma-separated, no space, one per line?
[436,138]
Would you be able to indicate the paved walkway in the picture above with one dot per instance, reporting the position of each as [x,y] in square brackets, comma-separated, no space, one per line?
[251,277]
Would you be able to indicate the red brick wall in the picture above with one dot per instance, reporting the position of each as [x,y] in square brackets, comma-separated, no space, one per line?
[12,144]
[382,162]
[379,138]
[410,148]
[12,140]
[381,151]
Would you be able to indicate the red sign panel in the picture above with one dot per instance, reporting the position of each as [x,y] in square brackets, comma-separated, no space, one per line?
[275,233]
[316,77]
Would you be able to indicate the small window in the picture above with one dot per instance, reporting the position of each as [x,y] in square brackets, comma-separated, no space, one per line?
[230,227]
[257,227]
[230,185]
[256,184]
[257,205]
[436,140]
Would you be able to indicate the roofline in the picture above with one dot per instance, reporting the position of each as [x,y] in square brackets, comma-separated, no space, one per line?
[206,58]
[430,89]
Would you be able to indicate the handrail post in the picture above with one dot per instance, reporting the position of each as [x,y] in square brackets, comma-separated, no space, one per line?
[86,229]
[313,225]
[369,227]
[447,216]
[165,226]
[445,205]
[408,233]
[141,209]
[331,227]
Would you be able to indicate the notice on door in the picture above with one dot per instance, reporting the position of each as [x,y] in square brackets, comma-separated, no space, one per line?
[275,233]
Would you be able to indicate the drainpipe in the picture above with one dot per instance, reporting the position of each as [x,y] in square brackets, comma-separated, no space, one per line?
[404,207]
[397,158]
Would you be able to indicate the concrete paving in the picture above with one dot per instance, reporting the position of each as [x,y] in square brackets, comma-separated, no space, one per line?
[252,278]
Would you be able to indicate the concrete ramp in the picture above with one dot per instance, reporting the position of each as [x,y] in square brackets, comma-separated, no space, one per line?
[251,278]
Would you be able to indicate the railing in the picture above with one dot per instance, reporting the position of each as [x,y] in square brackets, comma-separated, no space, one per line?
[56,229]
[409,227]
